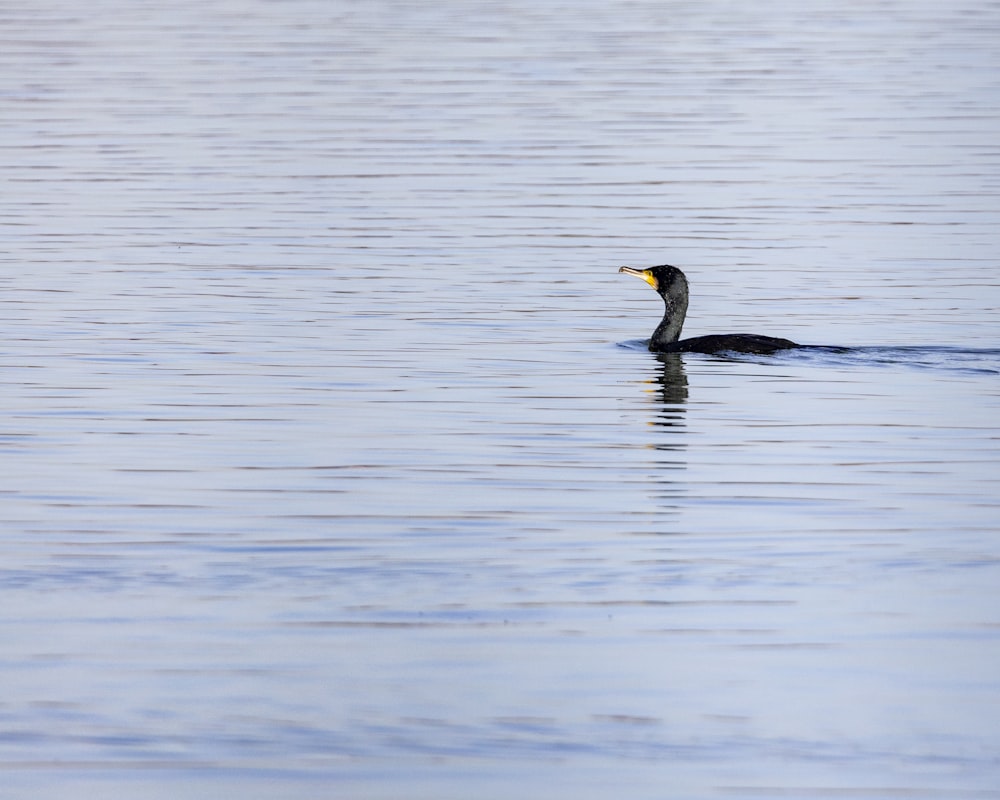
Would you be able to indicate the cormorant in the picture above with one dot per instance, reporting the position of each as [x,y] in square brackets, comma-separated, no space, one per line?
[670,284]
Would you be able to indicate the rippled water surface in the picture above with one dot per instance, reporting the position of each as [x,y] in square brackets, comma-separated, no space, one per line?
[333,463]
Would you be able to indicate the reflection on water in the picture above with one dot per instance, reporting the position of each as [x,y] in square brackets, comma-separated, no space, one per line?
[322,468]
[671,390]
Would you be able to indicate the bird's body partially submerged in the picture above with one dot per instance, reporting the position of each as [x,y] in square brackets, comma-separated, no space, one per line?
[670,283]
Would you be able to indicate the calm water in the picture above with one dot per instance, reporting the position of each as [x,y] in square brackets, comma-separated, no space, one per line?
[333,465]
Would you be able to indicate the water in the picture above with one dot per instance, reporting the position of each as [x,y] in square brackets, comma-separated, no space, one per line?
[331,465]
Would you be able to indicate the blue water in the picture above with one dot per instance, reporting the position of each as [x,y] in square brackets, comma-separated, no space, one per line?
[333,460]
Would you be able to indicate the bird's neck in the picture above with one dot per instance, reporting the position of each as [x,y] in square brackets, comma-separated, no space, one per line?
[669,329]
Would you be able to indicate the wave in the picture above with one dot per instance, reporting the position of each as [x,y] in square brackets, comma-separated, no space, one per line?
[971,360]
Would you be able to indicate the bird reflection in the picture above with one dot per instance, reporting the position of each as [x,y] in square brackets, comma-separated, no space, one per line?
[671,390]
[668,391]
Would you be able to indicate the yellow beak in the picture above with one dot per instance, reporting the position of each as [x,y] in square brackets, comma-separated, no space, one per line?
[645,274]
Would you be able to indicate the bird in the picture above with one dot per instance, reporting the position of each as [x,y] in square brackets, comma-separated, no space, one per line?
[672,285]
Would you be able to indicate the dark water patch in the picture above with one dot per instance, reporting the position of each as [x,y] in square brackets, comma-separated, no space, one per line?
[971,361]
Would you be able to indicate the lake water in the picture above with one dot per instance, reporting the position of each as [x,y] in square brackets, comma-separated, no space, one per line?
[332,461]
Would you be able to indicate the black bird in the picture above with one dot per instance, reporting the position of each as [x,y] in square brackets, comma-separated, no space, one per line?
[670,284]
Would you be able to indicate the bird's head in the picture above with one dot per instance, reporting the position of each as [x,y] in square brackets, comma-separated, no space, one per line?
[663,278]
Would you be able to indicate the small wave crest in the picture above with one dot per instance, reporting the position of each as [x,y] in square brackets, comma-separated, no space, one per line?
[974,360]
